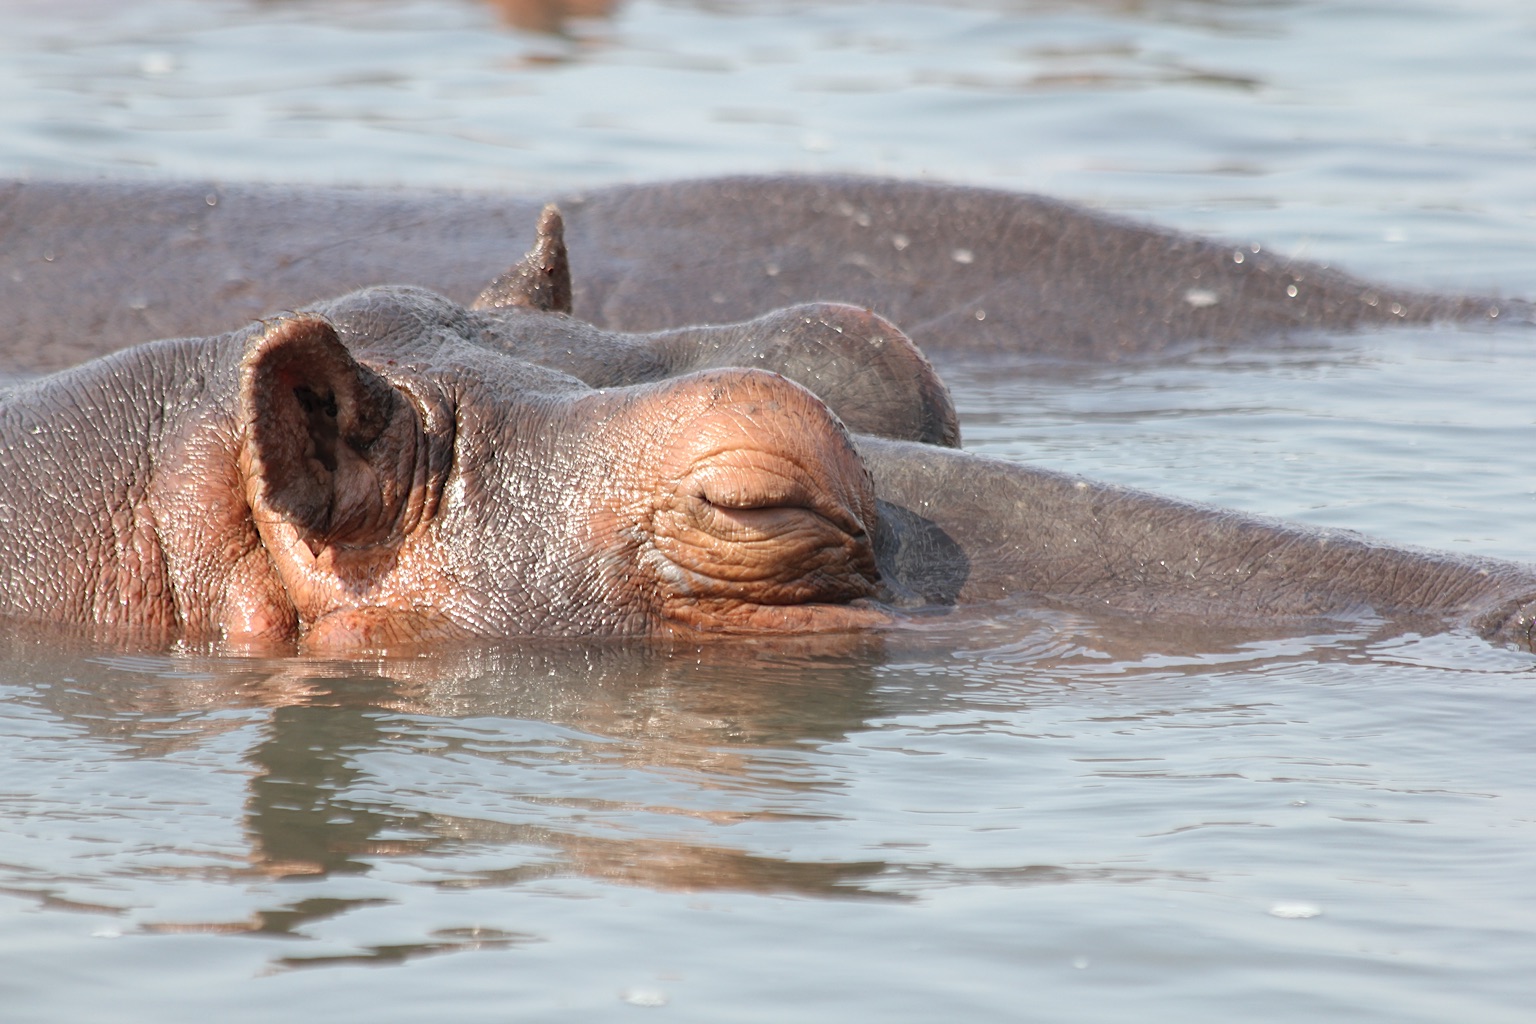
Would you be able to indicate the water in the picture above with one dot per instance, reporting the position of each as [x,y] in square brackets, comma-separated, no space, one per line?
[1421,436]
[1031,815]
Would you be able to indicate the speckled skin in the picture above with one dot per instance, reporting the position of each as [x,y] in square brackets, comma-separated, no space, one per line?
[950,528]
[89,268]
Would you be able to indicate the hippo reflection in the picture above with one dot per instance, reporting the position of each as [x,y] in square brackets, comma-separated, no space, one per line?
[392,466]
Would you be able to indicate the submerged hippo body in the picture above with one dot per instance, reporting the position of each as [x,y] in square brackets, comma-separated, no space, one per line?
[1049,279]
[392,466]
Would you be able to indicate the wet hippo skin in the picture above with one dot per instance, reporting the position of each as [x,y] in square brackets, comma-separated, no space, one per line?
[88,268]
[93,268]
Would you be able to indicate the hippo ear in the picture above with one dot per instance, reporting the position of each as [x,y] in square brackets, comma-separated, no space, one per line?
[542,279]
[328,442]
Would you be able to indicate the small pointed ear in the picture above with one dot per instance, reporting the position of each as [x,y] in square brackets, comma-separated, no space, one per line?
[542,279]
[329,444]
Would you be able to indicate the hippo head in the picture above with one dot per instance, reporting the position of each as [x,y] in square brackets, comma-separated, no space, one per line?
[408,483]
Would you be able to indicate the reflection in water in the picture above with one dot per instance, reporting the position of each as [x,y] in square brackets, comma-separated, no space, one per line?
[727,720]
[550,16]
[712,716]
[339,813]
[508,765]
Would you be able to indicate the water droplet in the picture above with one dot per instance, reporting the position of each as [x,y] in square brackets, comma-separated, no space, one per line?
[1394,235]
[815,142]
[1370,299]
[963,256]
[1298,803]
[48,256]
[718,298]
[862,219]
[138,303]
[1493,312]
[772,270]
[1080,963]
[211,199]
[1237,257]
[900,242]
[1201,298]
[644,997]
[1295,911]
[1290,290]
[1397,309]
[981,314]
[1255,248]
[107,932]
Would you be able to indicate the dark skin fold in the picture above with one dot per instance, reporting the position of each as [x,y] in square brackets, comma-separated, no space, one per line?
[851,540]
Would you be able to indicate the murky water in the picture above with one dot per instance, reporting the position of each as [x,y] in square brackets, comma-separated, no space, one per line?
[1027,816]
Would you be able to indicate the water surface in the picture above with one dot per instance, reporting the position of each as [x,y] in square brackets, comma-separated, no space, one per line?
[1011,814]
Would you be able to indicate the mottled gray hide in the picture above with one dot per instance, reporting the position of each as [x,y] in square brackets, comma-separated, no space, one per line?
[959,270]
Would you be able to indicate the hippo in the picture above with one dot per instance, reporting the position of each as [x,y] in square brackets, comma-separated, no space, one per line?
[391,467]
[963,271]
[394,466]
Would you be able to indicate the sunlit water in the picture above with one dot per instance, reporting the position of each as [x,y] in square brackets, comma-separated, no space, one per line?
[1026,814]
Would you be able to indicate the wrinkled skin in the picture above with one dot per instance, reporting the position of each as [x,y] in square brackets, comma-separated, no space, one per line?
[940,527]
[370,472]
[861,365]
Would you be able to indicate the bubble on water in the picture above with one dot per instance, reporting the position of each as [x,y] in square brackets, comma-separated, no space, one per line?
[963,256]
[644,997]
[156,65]
[1295,911]
[1201,298]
